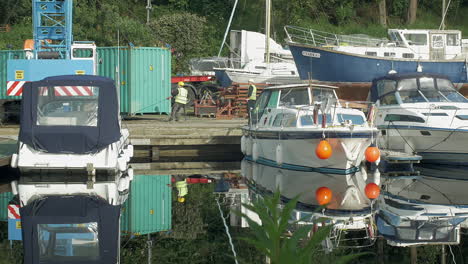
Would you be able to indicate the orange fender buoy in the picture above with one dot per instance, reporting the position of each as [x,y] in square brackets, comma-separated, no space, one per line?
[372,190]
[323,195]
[372,154]
[323,149]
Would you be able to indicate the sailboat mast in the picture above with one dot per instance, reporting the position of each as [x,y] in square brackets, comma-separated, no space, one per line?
[267,31]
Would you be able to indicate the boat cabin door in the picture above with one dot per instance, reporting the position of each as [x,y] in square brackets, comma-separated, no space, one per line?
[437,47]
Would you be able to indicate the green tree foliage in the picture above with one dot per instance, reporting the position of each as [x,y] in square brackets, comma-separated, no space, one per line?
[185,33]
[270,235]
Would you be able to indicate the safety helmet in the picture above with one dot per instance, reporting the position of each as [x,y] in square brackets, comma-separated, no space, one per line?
[181,199]
[181,83]
[251,80]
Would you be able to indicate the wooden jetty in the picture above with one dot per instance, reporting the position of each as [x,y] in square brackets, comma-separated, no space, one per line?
[193,145]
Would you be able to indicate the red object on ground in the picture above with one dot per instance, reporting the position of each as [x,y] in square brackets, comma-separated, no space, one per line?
[197,78]
[323,195]
[172,179]
[372,190]
[204,180]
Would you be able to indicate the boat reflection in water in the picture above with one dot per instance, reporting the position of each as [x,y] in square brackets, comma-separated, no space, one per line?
[422,210]
[349,210]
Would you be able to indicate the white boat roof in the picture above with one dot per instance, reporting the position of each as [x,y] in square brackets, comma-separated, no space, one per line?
[300,85]
[424,30]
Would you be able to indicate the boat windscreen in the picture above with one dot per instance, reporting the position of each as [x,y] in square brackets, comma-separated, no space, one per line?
[294,96]
[448,90]
[67,106]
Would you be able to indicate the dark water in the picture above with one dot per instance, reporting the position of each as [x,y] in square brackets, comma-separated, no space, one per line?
[197,233]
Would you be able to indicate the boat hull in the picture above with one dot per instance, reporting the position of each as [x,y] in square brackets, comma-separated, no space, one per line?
[435,145]
[298,150]
[339,67]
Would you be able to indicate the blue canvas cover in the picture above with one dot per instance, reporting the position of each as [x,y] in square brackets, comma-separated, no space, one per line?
[67,138]
[374,93]
[70,229]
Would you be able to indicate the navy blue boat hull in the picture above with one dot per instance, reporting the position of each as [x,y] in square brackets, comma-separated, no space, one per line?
[332,66]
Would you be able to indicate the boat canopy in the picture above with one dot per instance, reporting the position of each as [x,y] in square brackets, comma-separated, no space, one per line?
[70,229]
[414,88]
[75,114]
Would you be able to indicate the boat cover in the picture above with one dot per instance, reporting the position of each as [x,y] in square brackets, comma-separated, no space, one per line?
[78,137]
[374,92]
[70,229]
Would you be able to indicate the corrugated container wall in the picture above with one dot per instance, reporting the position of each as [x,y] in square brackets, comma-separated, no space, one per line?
[145,77]
[5,55]
[148,208]
[5,198]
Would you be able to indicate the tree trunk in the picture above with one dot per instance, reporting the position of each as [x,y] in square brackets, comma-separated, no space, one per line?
[413,7]
[383,13]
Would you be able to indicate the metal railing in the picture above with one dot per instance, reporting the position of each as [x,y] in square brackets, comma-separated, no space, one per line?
[320,38]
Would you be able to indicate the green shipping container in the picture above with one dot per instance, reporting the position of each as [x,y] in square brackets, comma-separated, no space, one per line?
[5,198]
[5,55]
[144,79]
[142,73]
[148,208]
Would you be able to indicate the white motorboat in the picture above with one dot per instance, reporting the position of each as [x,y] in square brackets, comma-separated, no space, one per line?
[70,140]
[423,209]
[289,121]
[349,210]
[423,114]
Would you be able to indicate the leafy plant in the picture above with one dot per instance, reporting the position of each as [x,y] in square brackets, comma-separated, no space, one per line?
[269,236]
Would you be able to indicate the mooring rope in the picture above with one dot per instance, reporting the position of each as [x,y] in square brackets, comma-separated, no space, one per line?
[227,232]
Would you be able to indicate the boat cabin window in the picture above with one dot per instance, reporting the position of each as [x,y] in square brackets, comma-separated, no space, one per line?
[395,36]
[67,106]
[355,119]
[68,242]
[408,90]
[273,101]
[386,91]
[308,120]
[416,39]
[427,87]
[452,40]
[322,95]
[294,96]
[408,55]
[285,120]
[448,90]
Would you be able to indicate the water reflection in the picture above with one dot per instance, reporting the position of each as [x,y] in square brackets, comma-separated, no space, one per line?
[412,210]
[349,210]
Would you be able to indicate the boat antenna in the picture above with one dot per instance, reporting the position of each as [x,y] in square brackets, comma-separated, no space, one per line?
[227,28]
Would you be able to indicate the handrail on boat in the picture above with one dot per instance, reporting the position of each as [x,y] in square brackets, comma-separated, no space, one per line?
[320,38]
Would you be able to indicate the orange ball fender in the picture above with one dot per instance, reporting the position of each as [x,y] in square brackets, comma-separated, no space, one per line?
[323,195]
[323,149]
[372,154]
[372,190]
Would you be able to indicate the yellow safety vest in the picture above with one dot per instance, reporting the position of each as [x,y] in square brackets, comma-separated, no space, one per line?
[182,188]
[181,98]
[253,96]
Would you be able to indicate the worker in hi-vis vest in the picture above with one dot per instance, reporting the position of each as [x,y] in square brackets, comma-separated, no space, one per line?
[251,97]
[180,101]
[182,190]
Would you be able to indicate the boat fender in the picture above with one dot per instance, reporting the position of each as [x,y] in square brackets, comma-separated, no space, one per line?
[130,151]
[122,163]
[255,153]
[255,171]
[14,187]
[14,160]
[244,169]
[130,174]
[248,146]
[124,184]
[243,139]
[279,154]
